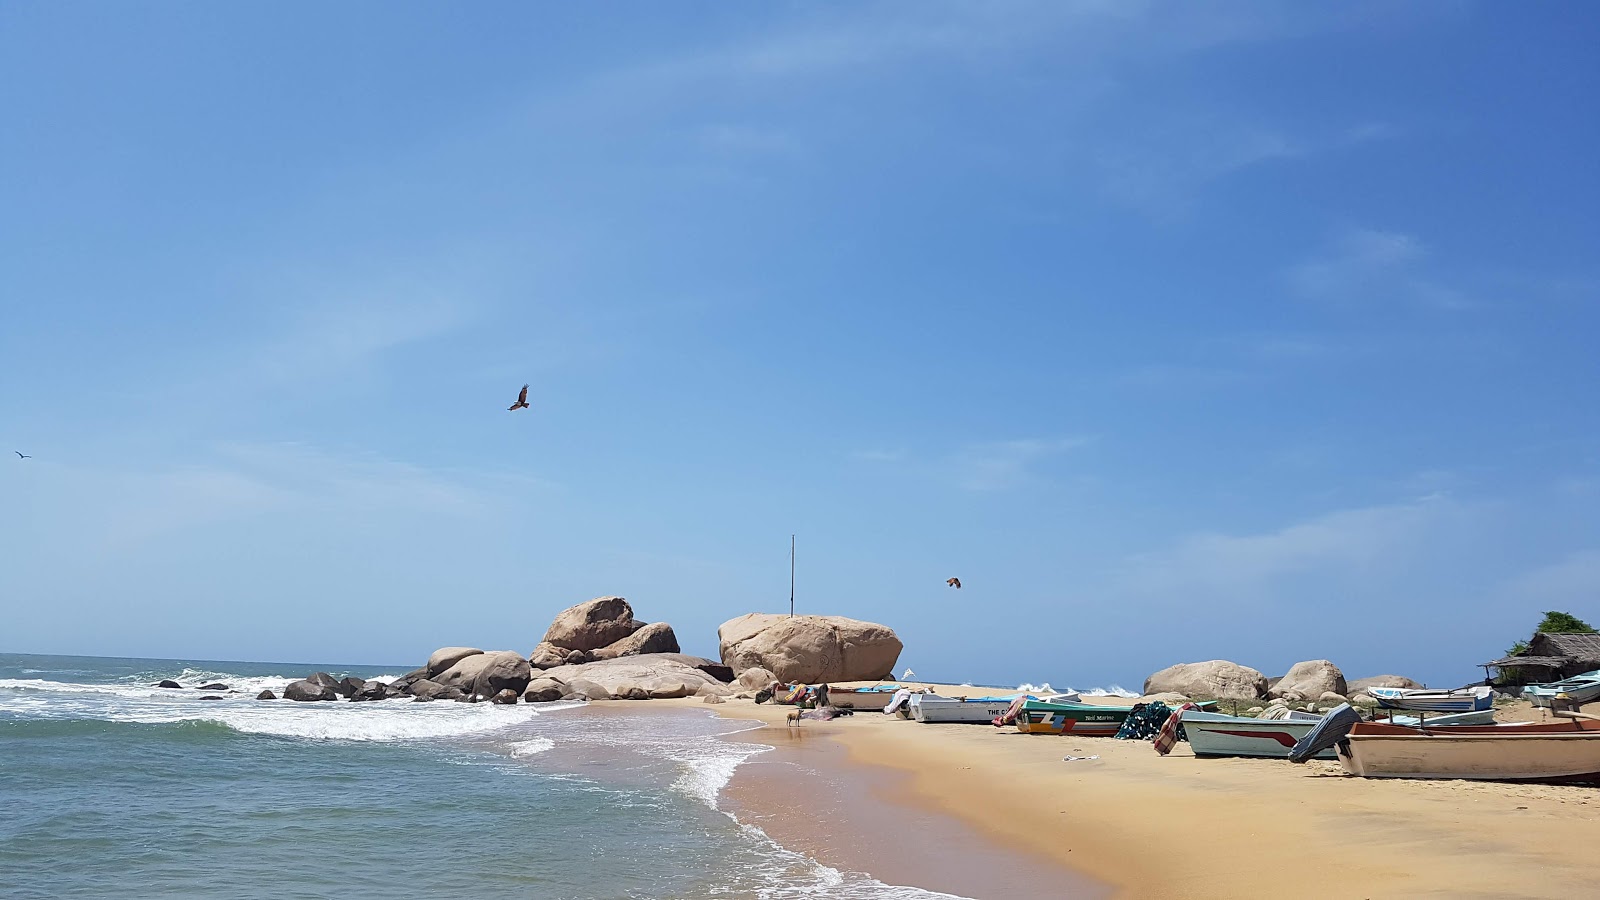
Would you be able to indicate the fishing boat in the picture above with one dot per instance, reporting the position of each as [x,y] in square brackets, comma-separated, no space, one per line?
[1213,734]
[1567,752]
[1583,688]
[981,710]
[1446,720]
[1086,719]
[874,697]
[1421,699]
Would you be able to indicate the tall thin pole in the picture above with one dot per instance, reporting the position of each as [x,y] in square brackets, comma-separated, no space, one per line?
[791,574]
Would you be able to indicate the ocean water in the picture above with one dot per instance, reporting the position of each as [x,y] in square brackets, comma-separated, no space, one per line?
[114,788]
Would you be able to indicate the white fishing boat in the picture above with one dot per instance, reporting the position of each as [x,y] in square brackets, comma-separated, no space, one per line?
[1214,734]
[1424,700]
[1446,720]
[1569,752]
[1583,688]
[874,698]
[976,710]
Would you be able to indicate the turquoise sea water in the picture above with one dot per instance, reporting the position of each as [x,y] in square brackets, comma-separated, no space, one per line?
[111,787]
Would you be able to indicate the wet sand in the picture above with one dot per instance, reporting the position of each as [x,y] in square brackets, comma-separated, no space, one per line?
[1181,827]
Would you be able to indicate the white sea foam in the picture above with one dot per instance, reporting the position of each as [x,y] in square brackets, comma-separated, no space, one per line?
[530,747]
[1112,691]
[385,720]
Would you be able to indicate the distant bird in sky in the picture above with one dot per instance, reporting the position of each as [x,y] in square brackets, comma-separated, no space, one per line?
[953,582]
[522,400]
[21,455]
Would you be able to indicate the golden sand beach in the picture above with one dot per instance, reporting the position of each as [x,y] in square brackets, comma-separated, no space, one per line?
[1181,827]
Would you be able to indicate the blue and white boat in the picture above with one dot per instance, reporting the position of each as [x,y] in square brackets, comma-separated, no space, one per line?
[1424,700]
[1446,720]
[1583,688]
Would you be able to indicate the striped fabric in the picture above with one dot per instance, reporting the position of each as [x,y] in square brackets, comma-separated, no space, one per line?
[1167,737]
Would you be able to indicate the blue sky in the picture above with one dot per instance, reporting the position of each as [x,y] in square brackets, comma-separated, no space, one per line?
[1176,331]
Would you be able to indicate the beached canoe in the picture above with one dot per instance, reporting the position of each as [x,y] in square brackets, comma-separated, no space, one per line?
[1445,720]
[1213,735]
[1566,754]
[1583,688]
[1085,719]
[933,708]
[875,697]
[1421,699]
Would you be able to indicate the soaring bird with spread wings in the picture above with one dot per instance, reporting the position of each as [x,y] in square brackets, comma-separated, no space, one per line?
[953,582]
[522,401]
[21,455]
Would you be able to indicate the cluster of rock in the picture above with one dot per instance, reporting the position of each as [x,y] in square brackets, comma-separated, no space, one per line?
[597,650]
[1314,680]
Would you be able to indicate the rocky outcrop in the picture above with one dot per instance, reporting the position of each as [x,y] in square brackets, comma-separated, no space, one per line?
[349,686]
[1170,698]
[266,695]
[1331,698]
[213,687]
[425,689]
[582,689]
[654,638]
[487,674]
[324,679]
[1215,679]
[548,656]
[308,690]
[543,690]
[756,679]
[591,625]
[445,657]
[168,683]
[506,697]
[1310,679]
[645,676]
[1363,685]
[374,690]
[809,649]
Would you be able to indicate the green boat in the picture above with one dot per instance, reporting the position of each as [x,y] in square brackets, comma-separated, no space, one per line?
[1085,719]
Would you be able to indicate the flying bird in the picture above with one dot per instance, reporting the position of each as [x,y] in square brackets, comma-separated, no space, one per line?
[21,455]
[522,401]
[953,582]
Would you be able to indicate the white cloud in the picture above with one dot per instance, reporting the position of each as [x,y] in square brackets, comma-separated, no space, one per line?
[1344,542]
[1573,582]
[1370,265]
[1002,465]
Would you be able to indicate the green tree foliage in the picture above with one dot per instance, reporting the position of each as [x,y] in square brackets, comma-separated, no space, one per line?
[1554,622]
[1563,623]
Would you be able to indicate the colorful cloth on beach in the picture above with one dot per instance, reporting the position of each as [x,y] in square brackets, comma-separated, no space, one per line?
[1009,717]
[1172,730]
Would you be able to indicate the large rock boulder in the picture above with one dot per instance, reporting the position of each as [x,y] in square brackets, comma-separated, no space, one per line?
[324,679]
[349,686]
[597,623]
[1361,685]
[445,657]
[487,674]
[756,679]
[1215,679]
[647,675]
[809,649]
[307,690]
[169,683]
[548,656]
[266,695]
[1310,679]
[654,638]
[582,689]
[543,690]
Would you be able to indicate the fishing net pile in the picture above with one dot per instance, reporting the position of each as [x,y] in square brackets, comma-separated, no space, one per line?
[1145,720]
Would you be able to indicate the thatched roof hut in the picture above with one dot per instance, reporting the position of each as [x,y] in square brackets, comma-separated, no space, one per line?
[1552,657]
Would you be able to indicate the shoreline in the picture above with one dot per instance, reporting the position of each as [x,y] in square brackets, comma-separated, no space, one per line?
[1177,826]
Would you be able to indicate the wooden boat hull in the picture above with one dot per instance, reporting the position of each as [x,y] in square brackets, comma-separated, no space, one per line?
[1515,755]
[1084,720]
[846,698]
[1467,700]
[932,708]
[1212,735]
[1580,689]
[1568,725]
